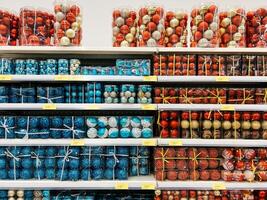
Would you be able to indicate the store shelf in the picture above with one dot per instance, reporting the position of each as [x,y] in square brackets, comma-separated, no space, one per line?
[38,106]
[212,142]
[75,78]
[204,107]
[261,51]
[210,185]
[125,50]
[133,183]
[80,142]
[212,79]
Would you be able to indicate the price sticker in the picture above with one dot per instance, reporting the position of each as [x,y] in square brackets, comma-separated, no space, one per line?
[49,106]
[121,186]
[5,77]
[77,142]
[148,186]
[151,78]
[222,79]
[227,108]
[148,107]
[149,142]
[68,78]
[175,143]
[93,107]
[218,186]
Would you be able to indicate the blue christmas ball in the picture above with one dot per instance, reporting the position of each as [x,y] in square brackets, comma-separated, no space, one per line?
[110,162]
[10,121]
[51,151]
[34,122]
[124,122]
[55,133]
[26,163]
[123,162]
[13,163]
[75,151]
[13,174]
[85,174]
[79,122]
[3,174]
[135,122]
[62,174]
[40,151]
[39,173]
[67,121]
[2,163]
[147,133]
[61,162]
[102,132]
[3,194]
[44,133]
[22,122]
[50,162]
[97,174]
[122,150]
[66,134]
[133,170]
[50,173]
[125,132]
[26,151]
[74,163]
[143,170]
[109,174]
[74,174]
[143,161]
[97,150]
[91,122]
[98,100]
[85,163]
[113,133]
[102,122]
[96,162]
[121,174]
[44,122]
[46,193]
[25,174]
[56,122]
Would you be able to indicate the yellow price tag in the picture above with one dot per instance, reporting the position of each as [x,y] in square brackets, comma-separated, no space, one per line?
[93,107]
[77,142]
[5,77]
[68,78]
[227,108]
[148,107]
[49,106]
[222,79]
[148,186]
[151,78]
[149,142]
[218,186]
[121,186]
[175,142]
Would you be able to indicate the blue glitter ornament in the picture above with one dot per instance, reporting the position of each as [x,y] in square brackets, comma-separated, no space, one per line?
[121,174]
[125,133]
[109,174]
[85,174]
[51,151]
[39,173]
[2,163]
[26,163]
[50,173]
[62,174]
[50,162]
[56,122]
[123,162]
[44,122]
[74,163]
[13,174]
[3,174]
[96,162]
[26,174]
[147,133]
[97,174]
[74,174]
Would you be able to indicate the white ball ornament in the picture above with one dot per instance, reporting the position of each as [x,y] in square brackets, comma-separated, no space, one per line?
[115,30]
[119,21]
[125,12]
[11,198]
[198,19]
[232,43]
[133,30]
[174,22]
[169,31]
[64,41]
[203,9]
[145,19]
[194,29]
[151,10]
[106,94]
[179,44]
[60,16]
[92,133]
[56,25]
[160,28]
[113,122]
[142,28]
[156,35]
[129,37]
[70,33]
[231,13]
[148,94]
[146,122]
[241,29]
[179,15]
[249,175]
[20,198]
[237,36]
[225,22]
[65,7]
[76,26]
[256,125]
[185,124]
[208,34]
[203,42]
[136,132]
[79,19]
[127,94]
[151,42]
[124,43]
[20,193]
[113,94]
[264,125]
[11,193]
[214,26]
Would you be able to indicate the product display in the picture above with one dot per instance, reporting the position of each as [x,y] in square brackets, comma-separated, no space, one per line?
[124,28]
[230,164]
[210,194]
[68,23]
[204,26]
[24,194]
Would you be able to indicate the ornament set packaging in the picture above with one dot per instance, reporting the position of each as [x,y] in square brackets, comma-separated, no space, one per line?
[72,163]
[24,194]
[212,125]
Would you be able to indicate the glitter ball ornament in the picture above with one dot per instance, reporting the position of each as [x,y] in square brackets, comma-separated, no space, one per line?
[127,93]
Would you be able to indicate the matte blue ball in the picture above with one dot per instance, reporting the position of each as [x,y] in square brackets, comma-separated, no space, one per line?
[62,174]
[10,121]
[28,193]
[3,174]
[50,173]
[66,134]
[85,163]
[34,122]
[123,162]
[22,122]
[26,163]
[13,163]
[79,122]
[74,174]
[62,163]
[121,174]
[26,151]
[39,174]
[67,121]
[2,163]
[85,174]
[2,150]
[44,122]
[97,174]
[45,133]
[50,162]
[13,174]
[98,100]
[75,151]
[96,162]
[56,122]
[51,151]
[3,193]
[39,164]
[74,163]
[110,162]
[109,174]
[26,174]
[40,151]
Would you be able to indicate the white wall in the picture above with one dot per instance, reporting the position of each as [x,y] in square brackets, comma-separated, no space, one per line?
[97,13]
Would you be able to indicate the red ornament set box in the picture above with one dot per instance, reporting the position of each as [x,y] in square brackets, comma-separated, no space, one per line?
[230,164]
[210,195]
[9,28]
[212,125]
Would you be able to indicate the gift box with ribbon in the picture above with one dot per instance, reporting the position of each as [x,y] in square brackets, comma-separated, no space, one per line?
[134,67]
[50,94]
[7,127]
[22,94]
[211,65]
[139,161]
